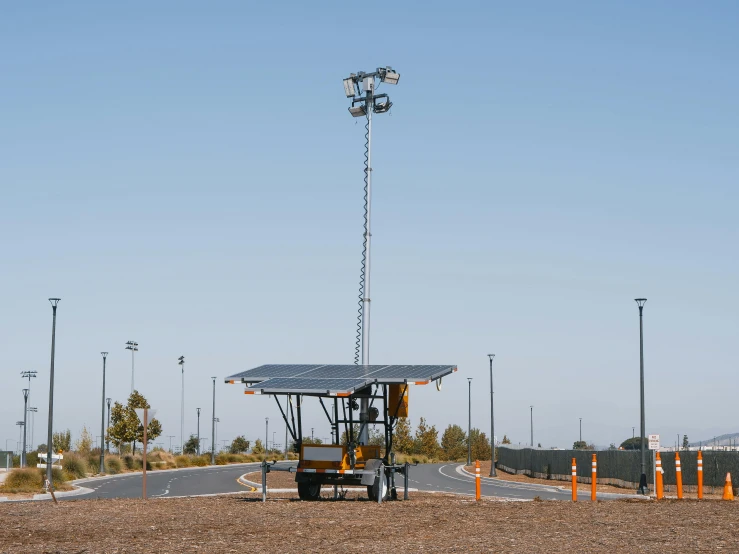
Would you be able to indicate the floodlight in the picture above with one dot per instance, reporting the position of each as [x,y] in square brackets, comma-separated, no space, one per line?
[390,76]
[358,111]
[349,87]
[382,107]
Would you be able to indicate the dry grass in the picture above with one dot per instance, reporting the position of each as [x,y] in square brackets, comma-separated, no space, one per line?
[427,523]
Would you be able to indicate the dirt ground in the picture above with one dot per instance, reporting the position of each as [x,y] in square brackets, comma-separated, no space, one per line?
[428,522]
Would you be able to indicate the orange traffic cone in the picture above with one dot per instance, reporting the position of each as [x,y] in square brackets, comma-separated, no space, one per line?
[728,491]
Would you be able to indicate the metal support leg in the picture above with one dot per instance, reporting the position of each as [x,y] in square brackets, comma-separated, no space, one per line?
[405,485]
[264,481]
[381,477]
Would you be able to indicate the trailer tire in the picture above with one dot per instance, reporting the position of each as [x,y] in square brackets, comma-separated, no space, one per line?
[373,491]
[309,491]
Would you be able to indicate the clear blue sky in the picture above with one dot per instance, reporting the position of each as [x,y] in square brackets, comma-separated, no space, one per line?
[186,175]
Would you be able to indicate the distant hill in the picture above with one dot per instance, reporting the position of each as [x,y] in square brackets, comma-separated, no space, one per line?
[731,439]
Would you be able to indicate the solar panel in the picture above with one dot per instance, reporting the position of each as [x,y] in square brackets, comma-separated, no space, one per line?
[271,371]
[301,378]
[307,386]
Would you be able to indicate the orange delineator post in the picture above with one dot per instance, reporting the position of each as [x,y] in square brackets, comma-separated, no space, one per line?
[700,475]
[678,476]
[574,479]
[477,479]
[658,477]
[593,478]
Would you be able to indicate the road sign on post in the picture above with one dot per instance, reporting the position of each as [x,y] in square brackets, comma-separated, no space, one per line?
[653,442]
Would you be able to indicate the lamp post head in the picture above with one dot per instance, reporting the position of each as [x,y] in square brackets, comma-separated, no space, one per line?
[108,400]
[19,423]
[491,356]
[132,345]
[198,409]
[104,355]
[640,302]
[54,302]
[25,393]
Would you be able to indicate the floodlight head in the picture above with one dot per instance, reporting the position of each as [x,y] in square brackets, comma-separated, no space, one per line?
[491,356]
[104,354]
[389,75]
[54,301]
[358,111]
[181,360]
[349,86]
[25,393]
[640,301]
[382,107]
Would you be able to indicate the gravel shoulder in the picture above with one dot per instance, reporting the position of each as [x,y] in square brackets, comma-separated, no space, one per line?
[428,522]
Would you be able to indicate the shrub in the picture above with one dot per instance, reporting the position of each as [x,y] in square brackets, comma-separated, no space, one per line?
[74,466]
[130,462]
[24,480]
[182,461]
[200,461]
[113,464]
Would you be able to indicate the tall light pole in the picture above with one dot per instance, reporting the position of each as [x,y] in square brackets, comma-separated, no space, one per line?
[49,443]
[266,435]
[102,419]
[643,480]
[27,375]
[360,87]
[170,442]
[107,437]
[469,420]
[181,362]
[198,409]
[213,429]
[19,446]
[532,426]
[133,346]
[633,433]
[33,411]
[25,423]
[492,421]
[580,432]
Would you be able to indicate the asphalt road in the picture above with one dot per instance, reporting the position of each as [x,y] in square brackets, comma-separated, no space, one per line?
[224,480]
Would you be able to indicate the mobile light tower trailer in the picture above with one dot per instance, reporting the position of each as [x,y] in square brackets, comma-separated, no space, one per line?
[340,389]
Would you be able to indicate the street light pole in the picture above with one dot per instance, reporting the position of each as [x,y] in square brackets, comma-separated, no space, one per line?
[107,437]
[469,421]
[213,427]
[25,422]
[580,432]
[360,87]
[33,411]
[198,409]
[266,435]
[643,480]
[181,363]
[27,375]
[492,421]
[532,427]
[102,420]
[49,443]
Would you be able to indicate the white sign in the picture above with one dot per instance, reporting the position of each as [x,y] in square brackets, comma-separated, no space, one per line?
[149,414]
[653,442]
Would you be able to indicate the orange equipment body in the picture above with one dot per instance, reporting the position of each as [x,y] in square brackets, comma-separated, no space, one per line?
[397,402]
[321,457]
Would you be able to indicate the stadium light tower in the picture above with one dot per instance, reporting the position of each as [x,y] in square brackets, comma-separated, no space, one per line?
[133,346]
[181,362]
[361,88]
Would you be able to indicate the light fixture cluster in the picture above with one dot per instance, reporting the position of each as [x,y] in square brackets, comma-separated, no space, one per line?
[360,87]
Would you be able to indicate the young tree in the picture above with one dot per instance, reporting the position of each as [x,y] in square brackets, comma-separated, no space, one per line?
[402,438]
[258,447]
[239,445]
[632,444]
[191,446]
[579,445]
[686,444]
[308,440]
[125,424]
[426,441]
[505,440]
[454,443]
[83,445]
[480,445]
[62,440]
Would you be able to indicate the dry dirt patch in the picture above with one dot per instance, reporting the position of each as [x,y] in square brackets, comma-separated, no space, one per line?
[428,522]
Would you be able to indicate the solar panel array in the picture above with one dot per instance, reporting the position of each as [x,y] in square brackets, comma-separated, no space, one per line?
[333,379]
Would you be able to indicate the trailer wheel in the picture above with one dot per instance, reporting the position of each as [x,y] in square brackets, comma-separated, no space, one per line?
[373,491]
[309,491]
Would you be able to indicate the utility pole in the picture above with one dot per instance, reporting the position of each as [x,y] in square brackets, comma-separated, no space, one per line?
[25,423]
[266,435]
[181,362]
[213,429]
[580,432]
[643,480]
[492,421]
[360,87]
[107,437]
[198,409]
[532,427]
[469,421]
[50,443]
[102,420]
[27,375]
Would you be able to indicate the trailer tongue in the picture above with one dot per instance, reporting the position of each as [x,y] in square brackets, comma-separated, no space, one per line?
[344,387]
